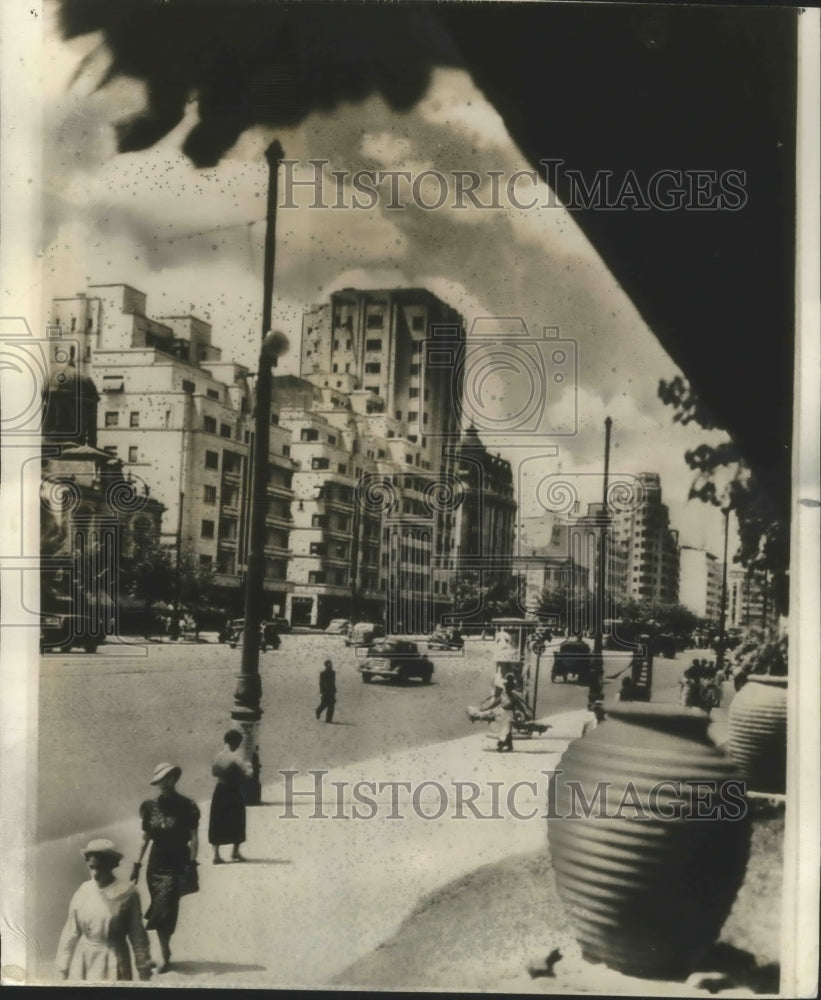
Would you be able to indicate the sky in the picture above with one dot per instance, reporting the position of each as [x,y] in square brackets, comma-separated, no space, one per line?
[193,241]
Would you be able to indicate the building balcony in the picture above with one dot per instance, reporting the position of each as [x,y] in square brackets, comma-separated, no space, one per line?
[227,543]
[229,509]
[277,550]
[232,478]
[275,490]
[279,520]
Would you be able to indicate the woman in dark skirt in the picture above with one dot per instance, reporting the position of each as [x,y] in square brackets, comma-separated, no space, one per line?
[227,822]
[170,823]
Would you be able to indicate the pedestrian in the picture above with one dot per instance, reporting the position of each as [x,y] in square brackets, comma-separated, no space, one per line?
[327,692]
[226,824]
[508,701]
[170,824]
[597,716]
[103,916]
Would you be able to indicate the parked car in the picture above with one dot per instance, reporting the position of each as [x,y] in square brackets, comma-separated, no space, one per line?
[364,633]
[339,626]
[572,657]
[60,632]
[397,660]
[267,635]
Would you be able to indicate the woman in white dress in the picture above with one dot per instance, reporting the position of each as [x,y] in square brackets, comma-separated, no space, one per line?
[104,915]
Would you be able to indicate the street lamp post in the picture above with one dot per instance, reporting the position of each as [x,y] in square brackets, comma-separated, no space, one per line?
[247,710]
[723,620]
[598,643]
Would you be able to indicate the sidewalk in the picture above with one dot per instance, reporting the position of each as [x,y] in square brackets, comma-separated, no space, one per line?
[319,893]
[323,888]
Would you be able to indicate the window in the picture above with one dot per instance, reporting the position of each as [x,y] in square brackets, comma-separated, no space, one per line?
[212,460]
[412,415]
[409,459]
[373,368]
[317,549]
[134,419]
[336,345]
[112,418]
[413,392]
[309,434]
[375,321]
[398,414]
[286,450]
[343,469]
[212,393]
[372,388]
[320,463]
[381,453]
[111,449]
[210,495]
[331,439]
[335,367]
[373,345]
[413,438]
[209,425]
[316,576]
[424,418]
[188,386]
[347,366]
[225,430]
[391,434]
[348,344]
[133,453]
[318,521]
[417,346]
[418,322]
[207,529]
[206,561]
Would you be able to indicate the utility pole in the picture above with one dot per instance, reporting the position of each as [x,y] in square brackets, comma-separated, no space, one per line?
[247,710]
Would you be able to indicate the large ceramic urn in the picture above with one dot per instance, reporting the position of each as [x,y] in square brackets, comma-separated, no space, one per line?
[649,837]
[758,732]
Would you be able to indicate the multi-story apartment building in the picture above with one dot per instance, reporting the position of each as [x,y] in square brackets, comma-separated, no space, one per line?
[179,417]
[381,352]
[700,582]
[484,521]
[648,546]
[748,603]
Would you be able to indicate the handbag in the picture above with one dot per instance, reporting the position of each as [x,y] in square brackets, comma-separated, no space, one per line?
[189,879]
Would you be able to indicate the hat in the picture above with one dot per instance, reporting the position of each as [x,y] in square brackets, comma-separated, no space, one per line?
[162,770]
[510,677]
[101,846]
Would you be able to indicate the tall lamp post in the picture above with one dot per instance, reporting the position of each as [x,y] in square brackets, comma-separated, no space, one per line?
[723,620]
[598,643]
[247,710]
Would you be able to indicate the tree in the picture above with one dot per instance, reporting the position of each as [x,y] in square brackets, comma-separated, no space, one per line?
[149,574]
[724,479]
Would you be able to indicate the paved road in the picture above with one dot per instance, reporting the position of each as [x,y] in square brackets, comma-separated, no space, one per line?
[106,720]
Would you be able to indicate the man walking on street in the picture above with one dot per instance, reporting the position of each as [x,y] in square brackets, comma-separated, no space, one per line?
[327,692]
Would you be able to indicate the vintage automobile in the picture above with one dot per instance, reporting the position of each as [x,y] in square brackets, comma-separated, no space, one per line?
[397,660]
[445,638]
[338,626]
[268,634]
[572,657]
[61,632]
[364,634]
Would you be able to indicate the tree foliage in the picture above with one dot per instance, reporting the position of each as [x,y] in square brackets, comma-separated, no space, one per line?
[723,479]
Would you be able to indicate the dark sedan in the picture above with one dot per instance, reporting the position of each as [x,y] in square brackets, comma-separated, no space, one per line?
[395,659]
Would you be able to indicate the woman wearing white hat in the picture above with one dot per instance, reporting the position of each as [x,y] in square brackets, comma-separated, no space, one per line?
[170,823]
[104,915]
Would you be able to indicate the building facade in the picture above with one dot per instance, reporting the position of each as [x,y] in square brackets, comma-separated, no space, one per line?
[748,605]
[180,418]
[647,547]
[700,575]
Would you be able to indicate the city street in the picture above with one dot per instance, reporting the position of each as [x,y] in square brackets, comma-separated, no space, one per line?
[107,719]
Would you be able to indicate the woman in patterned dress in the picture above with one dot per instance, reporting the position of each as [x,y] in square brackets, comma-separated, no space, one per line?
[226,824]
[104,915]
[170,823]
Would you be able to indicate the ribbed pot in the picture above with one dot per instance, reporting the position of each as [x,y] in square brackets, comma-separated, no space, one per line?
[758,733]
[649,869]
